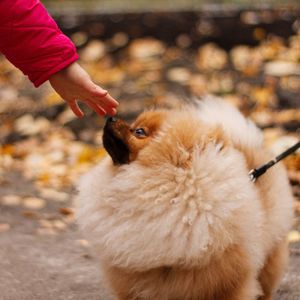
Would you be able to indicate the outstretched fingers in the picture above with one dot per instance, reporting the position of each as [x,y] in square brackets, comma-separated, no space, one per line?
[96,107]
[75,108]
[99,101]
[112,105]
[101,97]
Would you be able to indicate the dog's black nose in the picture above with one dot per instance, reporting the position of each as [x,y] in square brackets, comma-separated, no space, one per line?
[111,119]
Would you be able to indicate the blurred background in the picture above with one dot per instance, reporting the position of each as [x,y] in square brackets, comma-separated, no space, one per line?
[147,54]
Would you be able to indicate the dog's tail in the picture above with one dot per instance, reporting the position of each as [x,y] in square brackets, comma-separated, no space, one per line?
[241,131]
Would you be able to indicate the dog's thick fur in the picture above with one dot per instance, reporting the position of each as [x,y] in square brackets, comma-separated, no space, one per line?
[178,217]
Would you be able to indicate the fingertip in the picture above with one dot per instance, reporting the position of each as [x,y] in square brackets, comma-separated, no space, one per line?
[112,112]
[99,110]
[113,101]
[76,110]
[78,114]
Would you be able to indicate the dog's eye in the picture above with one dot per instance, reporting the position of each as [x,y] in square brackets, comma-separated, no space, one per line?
[140,132]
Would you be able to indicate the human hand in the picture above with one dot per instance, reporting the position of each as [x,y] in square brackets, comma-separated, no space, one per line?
[74,84]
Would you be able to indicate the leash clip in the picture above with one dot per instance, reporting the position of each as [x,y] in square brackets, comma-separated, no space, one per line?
[252,176]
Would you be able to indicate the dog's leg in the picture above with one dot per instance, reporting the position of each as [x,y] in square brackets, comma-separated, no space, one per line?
[248,290]
[121,282]
[273,269]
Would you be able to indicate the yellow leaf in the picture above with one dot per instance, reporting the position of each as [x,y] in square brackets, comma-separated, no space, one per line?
[34,203]
[44,178]
[86,154]
[53,99]
[90,154]
[7,149]
[294,236]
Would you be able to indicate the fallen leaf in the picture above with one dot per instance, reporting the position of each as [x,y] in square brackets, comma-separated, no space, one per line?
[211,57]
[291,83]
[262,118]
[294,236]
[46,231]
[54,194]
[83,243]
[4,227]
[120,39]
[281,68]
[264,96]
[7,149]
[145,48]
[93,51]
[198,84]
[68,219]
[183,41]
[58,224]
[27,125]
[246,60]
[53,99]
[30,214]
[45,223]
[271,48]
[66,211]
[34,203]
[11,200]
[181,75]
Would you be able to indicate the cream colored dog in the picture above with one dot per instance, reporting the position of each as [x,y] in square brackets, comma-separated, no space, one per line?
[173,215]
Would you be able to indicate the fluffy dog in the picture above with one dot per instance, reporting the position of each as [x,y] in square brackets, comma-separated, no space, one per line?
[173,215]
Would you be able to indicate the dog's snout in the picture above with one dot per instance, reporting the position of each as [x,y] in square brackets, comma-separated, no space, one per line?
[115,141]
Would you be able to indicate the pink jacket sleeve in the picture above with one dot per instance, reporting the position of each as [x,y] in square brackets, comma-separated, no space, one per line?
[31,40]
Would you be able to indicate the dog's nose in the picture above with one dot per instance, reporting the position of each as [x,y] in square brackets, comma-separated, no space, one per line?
[111,119]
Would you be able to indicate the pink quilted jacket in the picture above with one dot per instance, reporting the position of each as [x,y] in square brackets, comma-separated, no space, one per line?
[31,40]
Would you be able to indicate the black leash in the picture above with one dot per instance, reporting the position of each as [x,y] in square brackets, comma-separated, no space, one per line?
[255,173]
